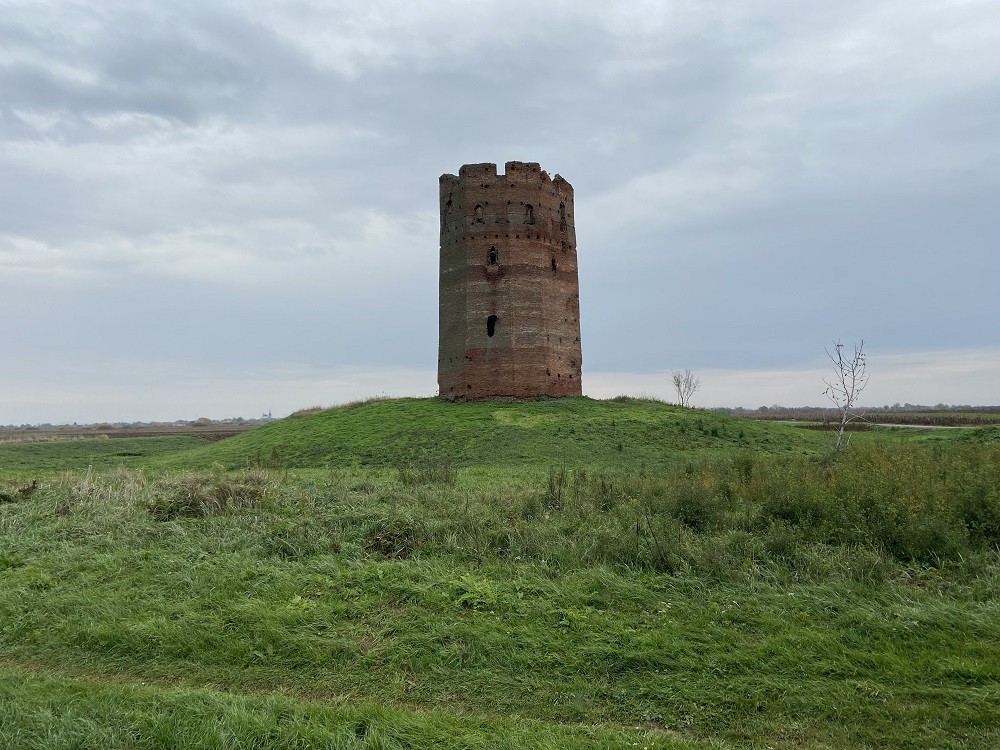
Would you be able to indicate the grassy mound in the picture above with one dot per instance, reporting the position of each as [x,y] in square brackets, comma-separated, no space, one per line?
[579,431]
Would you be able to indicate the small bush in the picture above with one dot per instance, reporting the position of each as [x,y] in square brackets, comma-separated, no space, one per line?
[696,506]
[979,509]
[925,539]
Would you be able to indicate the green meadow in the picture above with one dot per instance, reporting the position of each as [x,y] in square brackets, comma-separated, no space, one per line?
[551,574]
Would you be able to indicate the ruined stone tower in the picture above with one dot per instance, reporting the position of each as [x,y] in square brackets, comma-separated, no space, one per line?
[510,294]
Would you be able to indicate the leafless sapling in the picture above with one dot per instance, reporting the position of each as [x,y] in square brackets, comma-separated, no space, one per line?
[850,376]
[685,386]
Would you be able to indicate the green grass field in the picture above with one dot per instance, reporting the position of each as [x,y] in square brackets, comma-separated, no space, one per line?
[50,456]
[553,574]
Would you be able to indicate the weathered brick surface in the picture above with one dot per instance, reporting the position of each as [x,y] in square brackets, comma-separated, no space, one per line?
[508,255]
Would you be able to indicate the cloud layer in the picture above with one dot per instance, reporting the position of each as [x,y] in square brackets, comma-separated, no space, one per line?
[241,184]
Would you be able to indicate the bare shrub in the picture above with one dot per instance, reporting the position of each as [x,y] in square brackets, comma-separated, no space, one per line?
[849,380]
[685,386]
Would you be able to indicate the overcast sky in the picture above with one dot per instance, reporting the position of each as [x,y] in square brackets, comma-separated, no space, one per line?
[219,209]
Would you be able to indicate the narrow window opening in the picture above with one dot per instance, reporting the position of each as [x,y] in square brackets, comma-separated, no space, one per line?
[529,214]
[491,325]
[554,266]
[562,216]
[479,214]
[494,256]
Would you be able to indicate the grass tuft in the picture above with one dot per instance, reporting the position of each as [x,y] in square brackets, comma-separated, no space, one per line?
[196,496]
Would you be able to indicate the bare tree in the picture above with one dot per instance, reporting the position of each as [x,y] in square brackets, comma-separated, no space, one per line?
[685,385]
[849,379]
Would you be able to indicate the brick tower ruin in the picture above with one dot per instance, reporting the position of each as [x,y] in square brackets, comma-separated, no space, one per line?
[510,293]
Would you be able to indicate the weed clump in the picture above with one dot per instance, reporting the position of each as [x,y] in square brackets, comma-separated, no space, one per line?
[22,493]
[392,538]
[297,538]
[197,496]
[308,411]
[426,472]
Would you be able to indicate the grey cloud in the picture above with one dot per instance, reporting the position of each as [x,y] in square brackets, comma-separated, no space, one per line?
[183,68]
[13,127]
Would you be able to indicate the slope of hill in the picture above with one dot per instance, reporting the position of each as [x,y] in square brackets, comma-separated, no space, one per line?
[625,433]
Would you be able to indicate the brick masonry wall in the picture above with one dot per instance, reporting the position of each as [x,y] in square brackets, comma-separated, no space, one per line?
[508,268]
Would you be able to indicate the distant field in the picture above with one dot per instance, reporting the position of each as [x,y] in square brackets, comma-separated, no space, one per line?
[972,417]
[214,431]
[555,574]
[65,455]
